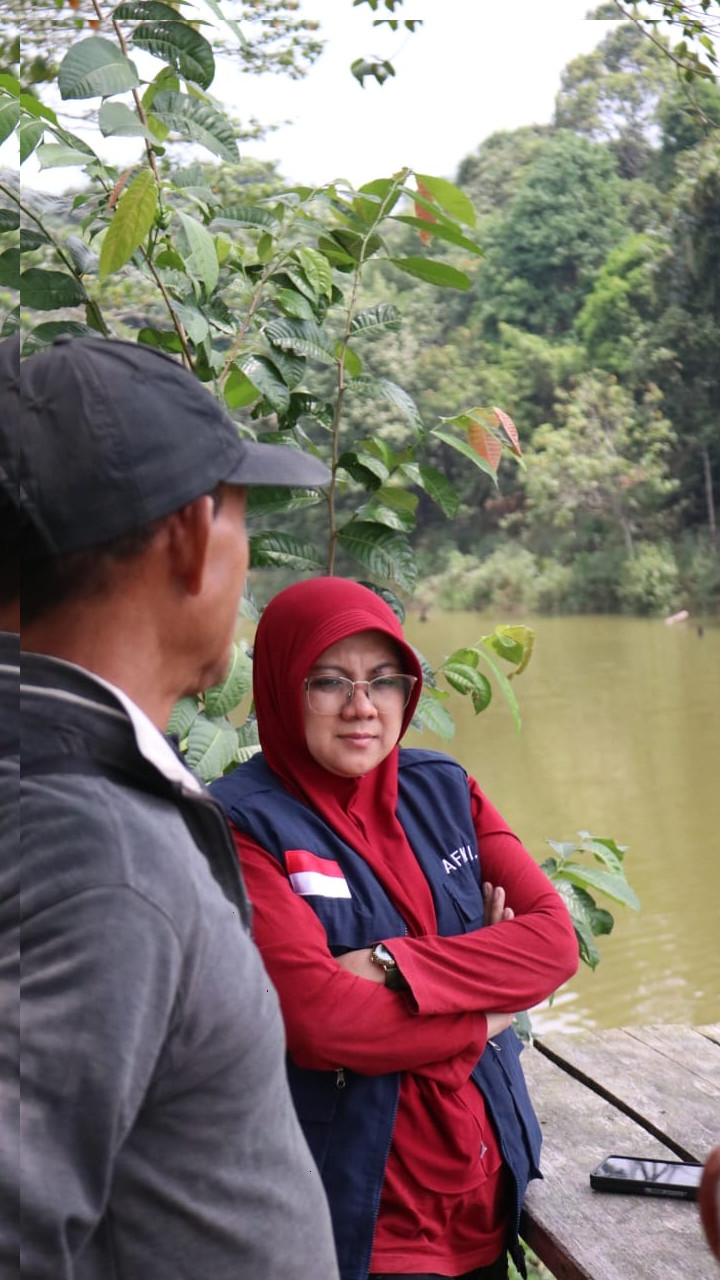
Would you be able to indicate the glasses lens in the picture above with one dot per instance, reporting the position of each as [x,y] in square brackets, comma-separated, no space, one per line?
[390,691]
[328,695]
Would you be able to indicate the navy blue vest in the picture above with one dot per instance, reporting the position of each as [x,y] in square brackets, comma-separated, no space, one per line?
[349,1128]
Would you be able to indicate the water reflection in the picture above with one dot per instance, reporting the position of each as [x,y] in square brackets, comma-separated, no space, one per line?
[621,737]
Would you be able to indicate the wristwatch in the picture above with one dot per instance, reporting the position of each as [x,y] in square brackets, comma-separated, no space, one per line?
[386,960]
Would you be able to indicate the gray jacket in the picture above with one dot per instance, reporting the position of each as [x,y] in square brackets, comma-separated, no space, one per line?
[159,1138]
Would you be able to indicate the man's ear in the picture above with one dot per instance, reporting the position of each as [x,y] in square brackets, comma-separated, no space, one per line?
[188,533]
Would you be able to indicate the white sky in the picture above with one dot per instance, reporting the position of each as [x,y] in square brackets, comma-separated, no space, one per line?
[474,67]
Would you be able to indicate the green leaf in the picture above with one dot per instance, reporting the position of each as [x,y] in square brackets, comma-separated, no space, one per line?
[385,553]
[164,339]
[383,318]
[196,119]
[45,290]
[294,304]
[291,367]
[462,446]
[244,215]
[604,848]
[394,394]
[131,222]
[394,602]
[10,268]
[201,260]
[10,220]
[282,549]
[95,68]
[365,468]
[433,272]
[449,197]
[211,747]
[224,697]
[303,337]
[31,239]
[9,116]
[180,45]
[115,119]
[29,134]
[265,500]
[44,334]
[505,685]
[317,270]
[513,643]
[613,886]
[263,375]
[182,717]
[239,391]
[438,487]
[193,321]
[465,679]
[434,716]
[441,231]
[248,740]
[145,11]
[56,155]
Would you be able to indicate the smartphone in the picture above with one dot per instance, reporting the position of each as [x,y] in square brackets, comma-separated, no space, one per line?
[637,1176]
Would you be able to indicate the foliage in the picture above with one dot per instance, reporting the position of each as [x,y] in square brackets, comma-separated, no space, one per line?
[262,299]
[544,251]
[649,580]
[698,21]
[603,473]
[582,869]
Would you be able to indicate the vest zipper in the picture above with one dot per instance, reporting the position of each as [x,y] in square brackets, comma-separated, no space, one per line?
[340,1081]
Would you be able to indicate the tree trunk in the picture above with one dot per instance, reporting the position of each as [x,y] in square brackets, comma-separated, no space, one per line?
[709,495]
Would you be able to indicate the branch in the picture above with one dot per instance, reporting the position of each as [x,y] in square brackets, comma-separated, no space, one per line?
[90,303]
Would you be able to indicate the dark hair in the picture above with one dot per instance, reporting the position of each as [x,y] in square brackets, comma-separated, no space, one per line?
[49,581]
[12,527]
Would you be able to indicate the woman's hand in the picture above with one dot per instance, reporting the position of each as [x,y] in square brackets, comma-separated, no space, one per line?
[495,909]
[497,1022]
[359,963]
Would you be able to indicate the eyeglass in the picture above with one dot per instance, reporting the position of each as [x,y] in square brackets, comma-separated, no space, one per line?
[328,695]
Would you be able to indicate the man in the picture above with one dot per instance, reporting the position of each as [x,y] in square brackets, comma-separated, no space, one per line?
[158,1136]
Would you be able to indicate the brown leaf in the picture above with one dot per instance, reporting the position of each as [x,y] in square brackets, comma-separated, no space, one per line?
[508,426]
[422,212]
[485,444]
[117,189]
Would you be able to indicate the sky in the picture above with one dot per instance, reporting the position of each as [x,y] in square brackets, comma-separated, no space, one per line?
[472,68]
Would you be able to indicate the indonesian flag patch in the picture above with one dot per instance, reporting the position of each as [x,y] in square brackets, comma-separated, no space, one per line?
[314,877]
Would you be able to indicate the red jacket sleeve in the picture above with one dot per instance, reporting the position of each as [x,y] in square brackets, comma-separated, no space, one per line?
[506,967]
[334,1019]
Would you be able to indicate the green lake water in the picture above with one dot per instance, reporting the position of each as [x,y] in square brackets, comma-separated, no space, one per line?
[620,737]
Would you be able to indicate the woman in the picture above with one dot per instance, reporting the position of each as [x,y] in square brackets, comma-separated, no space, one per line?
[364,866]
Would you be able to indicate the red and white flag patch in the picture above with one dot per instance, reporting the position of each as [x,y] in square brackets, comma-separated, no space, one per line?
[311,876]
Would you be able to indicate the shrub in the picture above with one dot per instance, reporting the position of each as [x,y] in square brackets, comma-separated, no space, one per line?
[649,581]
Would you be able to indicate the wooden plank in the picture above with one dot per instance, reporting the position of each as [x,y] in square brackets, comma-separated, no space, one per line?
[666,1077]
[587,1235]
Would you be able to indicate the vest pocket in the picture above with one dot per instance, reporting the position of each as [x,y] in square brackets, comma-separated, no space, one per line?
[466,900]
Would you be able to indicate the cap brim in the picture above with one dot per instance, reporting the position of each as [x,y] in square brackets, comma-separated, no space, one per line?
[277,464]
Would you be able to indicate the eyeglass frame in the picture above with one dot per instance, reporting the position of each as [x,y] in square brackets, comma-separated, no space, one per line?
[345,680]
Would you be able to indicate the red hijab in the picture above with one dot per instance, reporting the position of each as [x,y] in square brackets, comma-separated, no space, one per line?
[298,626]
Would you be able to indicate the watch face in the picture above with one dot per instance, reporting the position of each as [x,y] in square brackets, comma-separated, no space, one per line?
[382,956]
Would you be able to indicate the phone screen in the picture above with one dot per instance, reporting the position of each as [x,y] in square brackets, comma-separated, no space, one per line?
[661,1173]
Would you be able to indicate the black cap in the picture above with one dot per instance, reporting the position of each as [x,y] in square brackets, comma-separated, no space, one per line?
[99,437]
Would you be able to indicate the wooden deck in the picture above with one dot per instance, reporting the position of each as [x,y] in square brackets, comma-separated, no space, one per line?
[642,1091]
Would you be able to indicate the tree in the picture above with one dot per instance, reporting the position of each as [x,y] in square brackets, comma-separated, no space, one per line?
[544,251]
[603,473]
[686,336]
[612,96]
